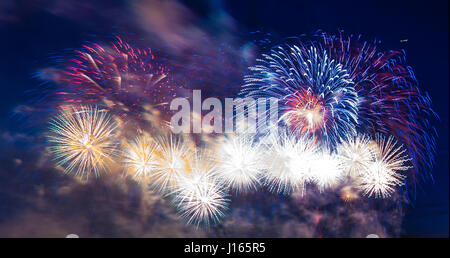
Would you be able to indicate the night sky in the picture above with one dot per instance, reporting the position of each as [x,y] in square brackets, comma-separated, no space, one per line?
[34,32]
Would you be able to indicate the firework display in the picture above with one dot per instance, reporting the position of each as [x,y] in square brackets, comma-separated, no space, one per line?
[352,120]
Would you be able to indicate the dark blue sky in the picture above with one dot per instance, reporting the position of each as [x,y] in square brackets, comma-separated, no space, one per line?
[31,33]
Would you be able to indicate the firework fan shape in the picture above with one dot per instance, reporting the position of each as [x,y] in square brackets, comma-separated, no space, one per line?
[336,88]
[83,140]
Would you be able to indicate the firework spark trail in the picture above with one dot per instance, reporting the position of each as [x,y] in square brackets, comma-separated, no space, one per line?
[82,140]
[349,194]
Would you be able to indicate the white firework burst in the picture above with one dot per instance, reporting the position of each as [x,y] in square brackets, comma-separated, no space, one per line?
[288,161]
[326,170]
[173,161]
[83,140]
[200,198]
[239,162]
[384,174]
[140,156]
[356,155]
